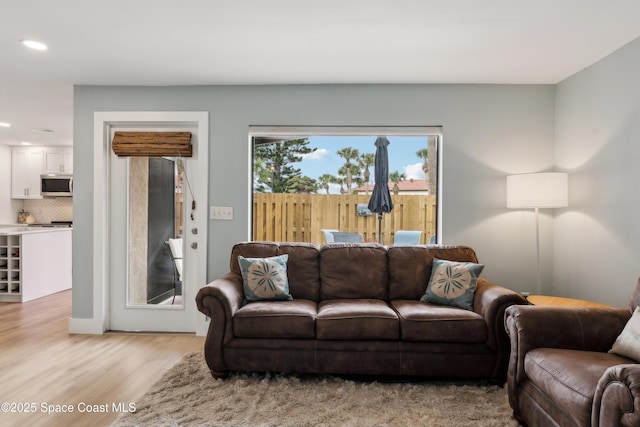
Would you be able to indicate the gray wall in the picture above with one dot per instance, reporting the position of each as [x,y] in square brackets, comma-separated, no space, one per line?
[598,142]
[490,131]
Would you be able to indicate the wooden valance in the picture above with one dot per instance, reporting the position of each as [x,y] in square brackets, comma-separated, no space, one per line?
[152,144]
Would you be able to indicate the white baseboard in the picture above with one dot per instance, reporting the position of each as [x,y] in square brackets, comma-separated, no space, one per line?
[86,326]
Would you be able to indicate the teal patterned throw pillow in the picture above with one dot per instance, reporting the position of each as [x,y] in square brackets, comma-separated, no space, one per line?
[265,279]
[452,283]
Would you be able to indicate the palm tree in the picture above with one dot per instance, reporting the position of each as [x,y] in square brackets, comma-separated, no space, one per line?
[348,154]
[358,181]
[423,155]
[396,177]
[352,173]
[365,161]
[325,180]
[340,180]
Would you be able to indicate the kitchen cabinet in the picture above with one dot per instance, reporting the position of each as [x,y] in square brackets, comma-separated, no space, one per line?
[26,168]
[58,161]
[34,262]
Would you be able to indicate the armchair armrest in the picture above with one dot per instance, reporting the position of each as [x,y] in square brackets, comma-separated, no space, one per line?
[617,398]
[491,301]
[220,300]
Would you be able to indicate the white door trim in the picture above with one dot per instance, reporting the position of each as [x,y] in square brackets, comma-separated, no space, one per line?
[102,122]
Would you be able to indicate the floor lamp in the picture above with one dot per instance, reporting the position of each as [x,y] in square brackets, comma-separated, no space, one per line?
[538,190]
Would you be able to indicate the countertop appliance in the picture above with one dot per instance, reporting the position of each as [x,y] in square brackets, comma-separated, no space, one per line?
[56,185]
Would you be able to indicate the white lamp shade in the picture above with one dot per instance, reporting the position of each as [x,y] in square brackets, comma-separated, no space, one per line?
[538,190]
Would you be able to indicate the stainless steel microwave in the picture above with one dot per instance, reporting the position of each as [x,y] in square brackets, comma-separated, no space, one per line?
[56,185]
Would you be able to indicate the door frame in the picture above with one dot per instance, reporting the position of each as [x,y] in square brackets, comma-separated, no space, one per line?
[103,122]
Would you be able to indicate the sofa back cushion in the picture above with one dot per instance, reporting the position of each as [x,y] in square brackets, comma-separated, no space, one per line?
[352,270]
[410,267]
[302,266]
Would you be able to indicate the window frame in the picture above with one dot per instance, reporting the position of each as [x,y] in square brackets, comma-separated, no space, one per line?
[291,132]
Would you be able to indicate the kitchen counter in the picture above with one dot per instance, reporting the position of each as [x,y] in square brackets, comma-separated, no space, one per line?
[34,262]
[17,230]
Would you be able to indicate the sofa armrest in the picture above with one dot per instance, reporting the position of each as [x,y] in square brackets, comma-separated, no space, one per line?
[491,301]
[220,300]
[617,398]
[227,289]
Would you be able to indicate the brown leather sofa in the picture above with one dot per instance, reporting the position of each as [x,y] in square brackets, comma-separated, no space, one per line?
[356,310]
[560,370]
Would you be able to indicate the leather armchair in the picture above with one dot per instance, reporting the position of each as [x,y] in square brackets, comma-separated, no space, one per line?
[560,371]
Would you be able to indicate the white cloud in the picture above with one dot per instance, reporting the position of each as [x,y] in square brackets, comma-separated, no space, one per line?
[319,154]
[333,189]
[414,171]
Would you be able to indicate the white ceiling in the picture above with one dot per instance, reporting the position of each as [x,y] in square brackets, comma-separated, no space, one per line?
[198,42]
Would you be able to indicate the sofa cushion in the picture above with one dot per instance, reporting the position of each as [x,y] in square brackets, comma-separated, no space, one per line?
[452,283]
[350,319]
[265,279]
[426,322]
[628,342]
[410,267]
[569,377]
[302,266]
[276,319]
[350,270]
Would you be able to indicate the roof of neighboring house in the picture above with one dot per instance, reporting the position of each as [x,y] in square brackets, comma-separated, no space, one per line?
[406,185]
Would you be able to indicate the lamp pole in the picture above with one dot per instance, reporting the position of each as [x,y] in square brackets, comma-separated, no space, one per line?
[538,250]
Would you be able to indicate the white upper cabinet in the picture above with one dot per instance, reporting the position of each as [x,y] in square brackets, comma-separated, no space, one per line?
[26,168]
[58,160]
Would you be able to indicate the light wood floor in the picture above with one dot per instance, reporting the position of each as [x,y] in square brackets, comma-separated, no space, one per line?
[41,363]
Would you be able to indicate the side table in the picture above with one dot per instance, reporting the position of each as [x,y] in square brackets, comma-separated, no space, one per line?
[563,302]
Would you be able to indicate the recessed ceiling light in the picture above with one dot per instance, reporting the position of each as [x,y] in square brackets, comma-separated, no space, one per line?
[5,125]
[34,44]
[42,130]
[25,143]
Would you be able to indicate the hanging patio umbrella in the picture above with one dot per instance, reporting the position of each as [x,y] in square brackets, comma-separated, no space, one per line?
[380,200]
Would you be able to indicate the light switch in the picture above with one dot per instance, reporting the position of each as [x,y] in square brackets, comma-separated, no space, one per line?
[221,212]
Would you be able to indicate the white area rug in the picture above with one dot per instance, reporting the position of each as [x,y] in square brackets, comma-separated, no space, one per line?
[187,395]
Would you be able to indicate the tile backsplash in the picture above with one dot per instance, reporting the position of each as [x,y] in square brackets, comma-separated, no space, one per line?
[50,209]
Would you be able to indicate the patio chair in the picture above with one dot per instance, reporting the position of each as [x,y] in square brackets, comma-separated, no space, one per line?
[328,234]
[341,236]
[407,237]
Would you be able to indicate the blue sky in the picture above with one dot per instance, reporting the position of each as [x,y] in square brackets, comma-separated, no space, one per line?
[402,155]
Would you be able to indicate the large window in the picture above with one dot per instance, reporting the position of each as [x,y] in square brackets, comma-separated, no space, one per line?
[307,180]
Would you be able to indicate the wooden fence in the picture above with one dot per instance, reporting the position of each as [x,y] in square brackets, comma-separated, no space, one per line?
[301,217]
